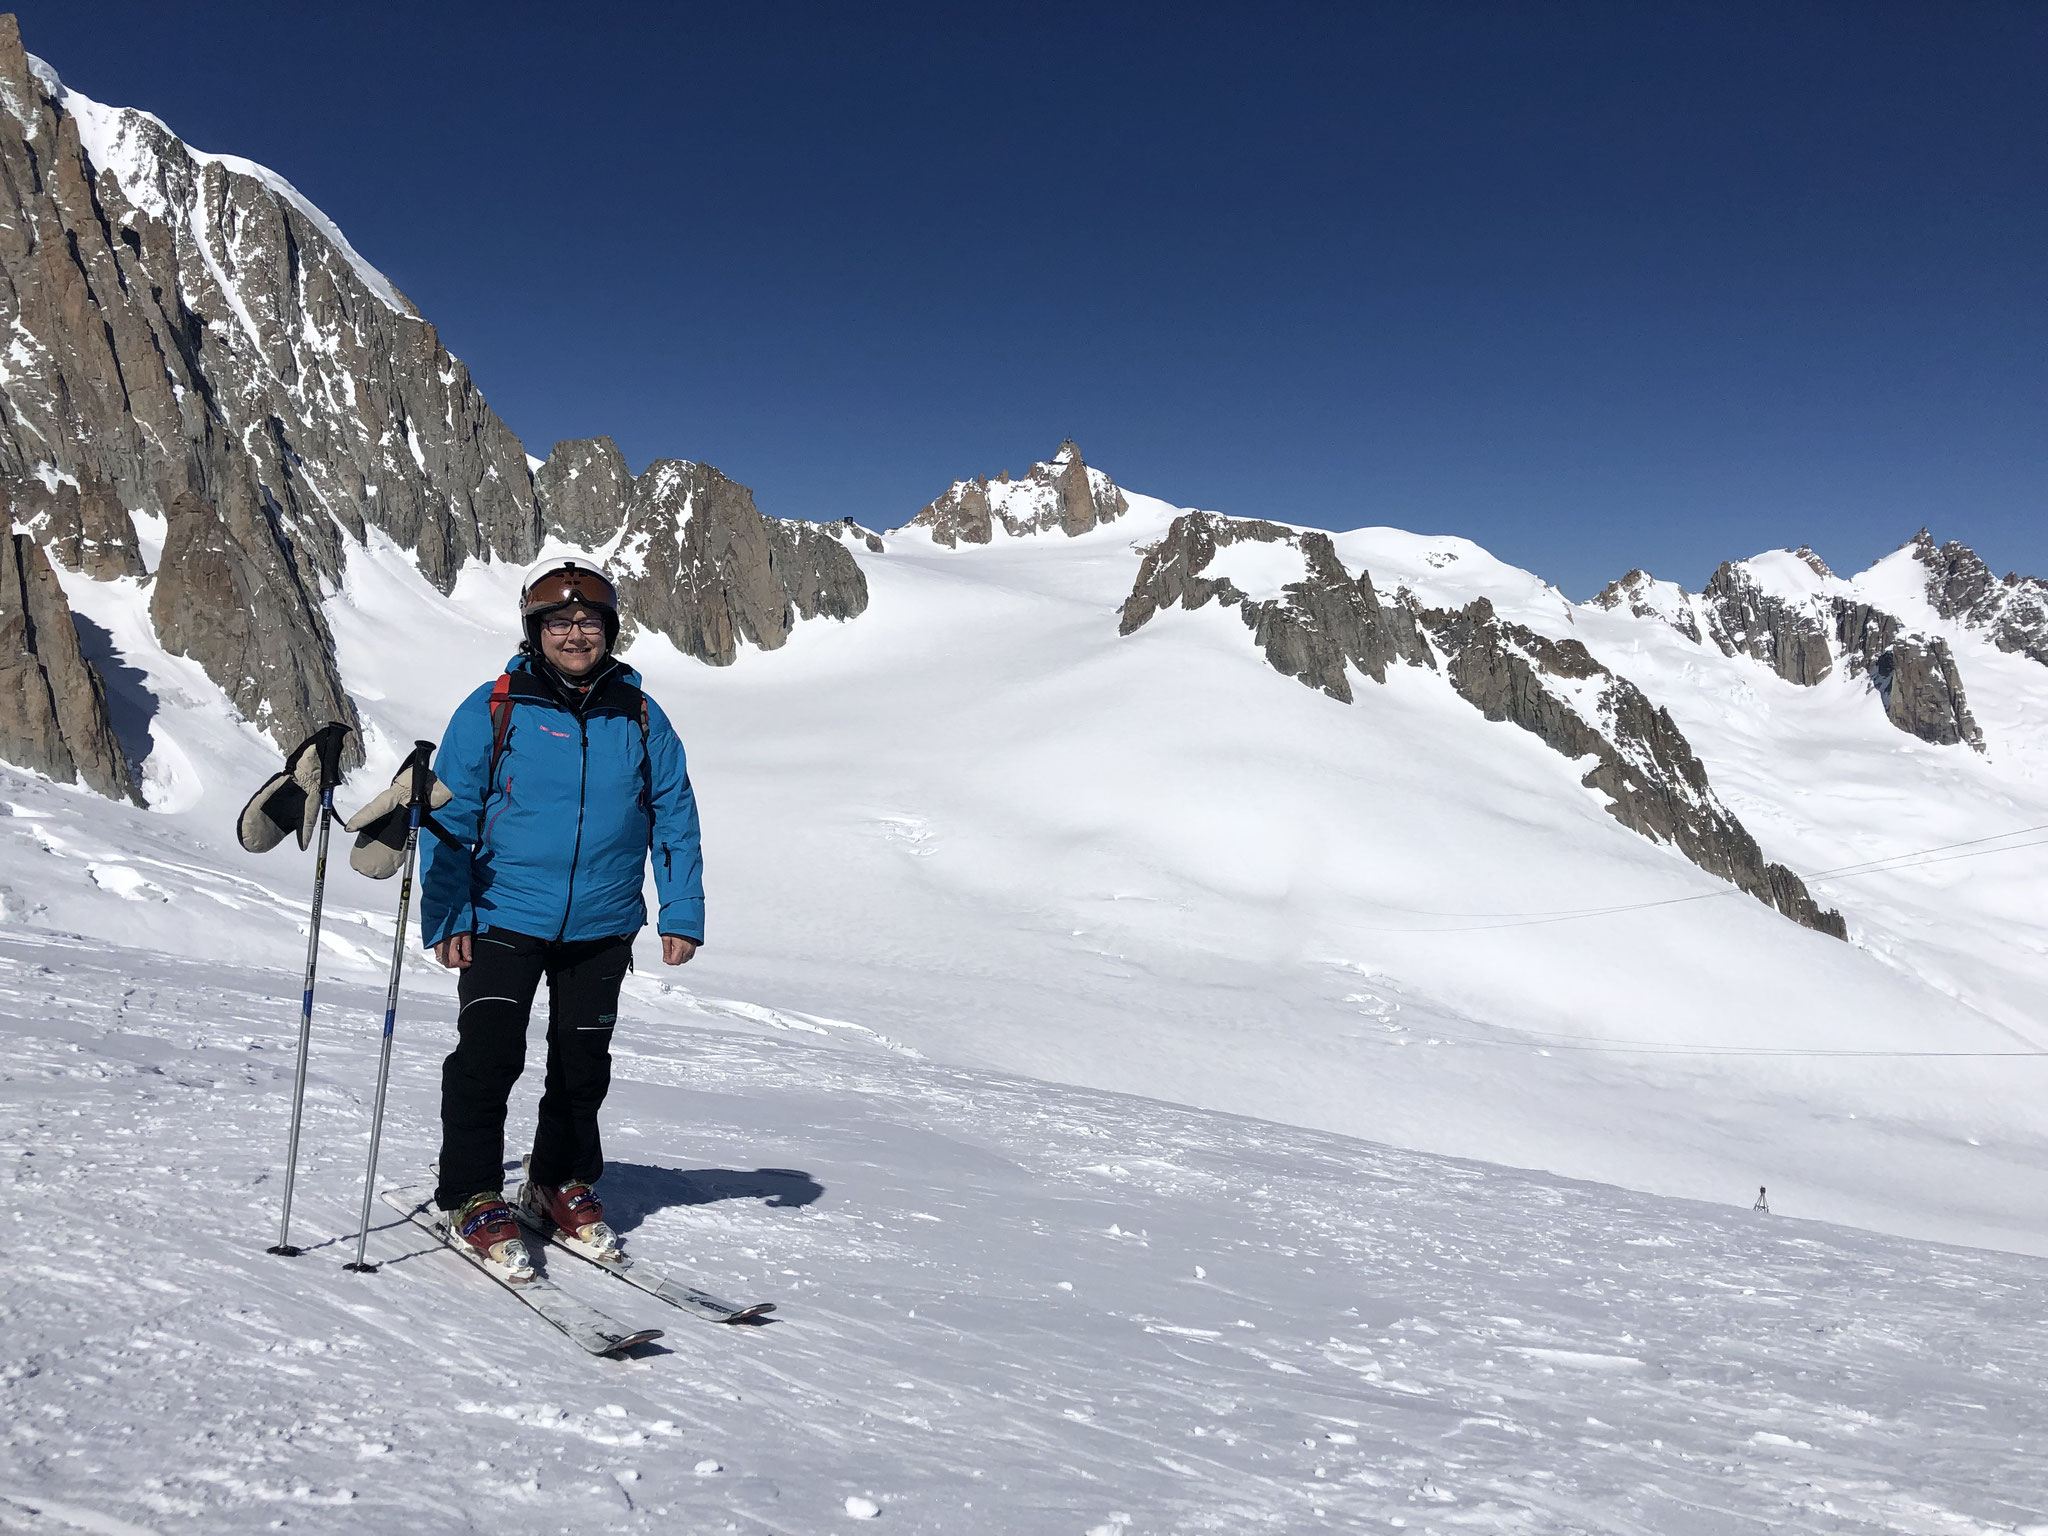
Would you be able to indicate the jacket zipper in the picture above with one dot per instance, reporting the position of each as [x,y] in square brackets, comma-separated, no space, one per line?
[575,853]
[505,799]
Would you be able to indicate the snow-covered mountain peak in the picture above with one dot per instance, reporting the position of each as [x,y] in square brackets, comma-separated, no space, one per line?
[2011,613]
[1058,493]
[696,561]
[1644,596]
[143,154]
[1790,573]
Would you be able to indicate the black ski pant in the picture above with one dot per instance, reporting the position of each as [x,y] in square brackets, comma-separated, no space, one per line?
[496,994]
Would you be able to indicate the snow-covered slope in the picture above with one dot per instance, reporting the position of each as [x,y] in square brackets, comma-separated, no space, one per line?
[1818,772]
[977,823]
[1005,1307]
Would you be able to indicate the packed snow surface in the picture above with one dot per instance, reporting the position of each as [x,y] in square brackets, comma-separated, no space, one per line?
[1004,1306]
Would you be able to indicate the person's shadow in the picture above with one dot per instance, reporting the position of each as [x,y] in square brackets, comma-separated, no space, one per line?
[634,1191]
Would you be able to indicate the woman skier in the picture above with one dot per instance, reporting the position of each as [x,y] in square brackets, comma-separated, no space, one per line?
[563,778]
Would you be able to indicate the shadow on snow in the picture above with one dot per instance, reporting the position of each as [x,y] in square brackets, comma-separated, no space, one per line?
[634,1191]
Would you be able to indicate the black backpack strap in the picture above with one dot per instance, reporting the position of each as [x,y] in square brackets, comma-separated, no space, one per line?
[616,696]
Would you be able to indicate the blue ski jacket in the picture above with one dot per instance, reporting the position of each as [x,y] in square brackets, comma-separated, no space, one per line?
[554,842]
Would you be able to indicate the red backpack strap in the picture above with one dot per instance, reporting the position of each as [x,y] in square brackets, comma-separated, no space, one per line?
[501,723]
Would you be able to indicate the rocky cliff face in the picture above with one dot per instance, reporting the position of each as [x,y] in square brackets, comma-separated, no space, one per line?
[1314,630]
[229,597]
[1787,637]
[1803,639]
[1642,762]
[196,345]
[1062,492]
[83,526]
[2012,613]
[695,559]
[583,489]
[191,334]
[1914,674]
[53,703]
[195,318]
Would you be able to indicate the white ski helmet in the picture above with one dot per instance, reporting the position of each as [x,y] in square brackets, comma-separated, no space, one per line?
[562,577]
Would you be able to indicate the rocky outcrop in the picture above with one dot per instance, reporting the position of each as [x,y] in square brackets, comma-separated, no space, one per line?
[188,328]
[1923,692]
[2012,613]
[700,564]
[694,558]
[1801,639]
[1914,674]
[1654,783]
[53,702]
[194,344]
[1745,620]
[1315,631]
[1062,492]
[227,595]
[1646,597]
[852,532]
[85,527]
[583,489]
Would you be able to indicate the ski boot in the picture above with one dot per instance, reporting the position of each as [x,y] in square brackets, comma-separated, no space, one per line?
[573,1210]
[484,1225]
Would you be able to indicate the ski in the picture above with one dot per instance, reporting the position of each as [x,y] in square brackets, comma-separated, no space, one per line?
[646,1277]
[589,1328]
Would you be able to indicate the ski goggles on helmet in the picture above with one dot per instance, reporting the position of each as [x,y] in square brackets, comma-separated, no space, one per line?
[569,584]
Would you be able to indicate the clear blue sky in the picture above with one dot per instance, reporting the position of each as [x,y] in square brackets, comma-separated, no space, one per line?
[1599,285]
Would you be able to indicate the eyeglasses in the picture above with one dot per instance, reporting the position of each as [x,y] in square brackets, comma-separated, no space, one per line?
[561,626]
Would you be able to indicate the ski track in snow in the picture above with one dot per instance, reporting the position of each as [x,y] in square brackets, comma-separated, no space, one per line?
[1006,1306]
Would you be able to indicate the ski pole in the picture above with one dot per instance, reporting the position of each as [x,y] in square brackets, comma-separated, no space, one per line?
[422,780]
[327,744]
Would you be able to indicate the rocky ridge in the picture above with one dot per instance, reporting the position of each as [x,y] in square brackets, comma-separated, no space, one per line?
[1317,629]
[1330,623]
[197,349]
[1061,492]
[2013,613]
[1654,783]
[1806,636]
[693,557]
[1803,638]
[1648,598]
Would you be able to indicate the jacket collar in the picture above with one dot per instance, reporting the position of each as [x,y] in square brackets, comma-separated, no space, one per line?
[573,697]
